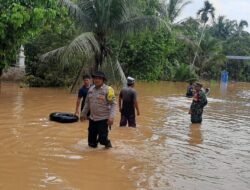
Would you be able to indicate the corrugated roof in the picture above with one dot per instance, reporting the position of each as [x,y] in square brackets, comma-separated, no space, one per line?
[238,57]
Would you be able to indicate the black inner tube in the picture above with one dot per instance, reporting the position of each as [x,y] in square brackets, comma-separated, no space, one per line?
[63,117]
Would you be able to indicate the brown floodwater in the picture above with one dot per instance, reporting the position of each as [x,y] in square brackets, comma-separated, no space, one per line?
[165,151]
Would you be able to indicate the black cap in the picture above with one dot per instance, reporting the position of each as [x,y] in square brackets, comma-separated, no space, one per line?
[99,74]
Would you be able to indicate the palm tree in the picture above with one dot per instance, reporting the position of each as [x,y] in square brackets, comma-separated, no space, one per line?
[172,8]
[207,10]
[204,13]
[189,32]
[211,55]
[219,27]
[99,22]
[224,28]
[240,26]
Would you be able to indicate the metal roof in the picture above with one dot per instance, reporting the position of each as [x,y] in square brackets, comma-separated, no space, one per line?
[238,57]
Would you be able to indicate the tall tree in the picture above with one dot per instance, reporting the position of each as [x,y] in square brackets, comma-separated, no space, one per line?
[150,7]
[241,26]
[204,13]
[211,56]
[174,8]
[100,22]
[223,28]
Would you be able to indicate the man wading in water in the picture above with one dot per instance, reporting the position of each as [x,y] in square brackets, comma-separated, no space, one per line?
[190,89]
[199,102]
[100,101]
[82,93]
[128,103]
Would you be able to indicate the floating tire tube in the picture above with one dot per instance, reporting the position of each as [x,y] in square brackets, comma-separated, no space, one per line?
[63,117]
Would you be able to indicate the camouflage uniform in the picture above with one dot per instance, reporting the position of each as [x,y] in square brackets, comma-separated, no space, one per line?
[199,102]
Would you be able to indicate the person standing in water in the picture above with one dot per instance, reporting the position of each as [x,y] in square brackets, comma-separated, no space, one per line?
[190,90]
[82,93]
[128,103]
[100,101]
[199,102]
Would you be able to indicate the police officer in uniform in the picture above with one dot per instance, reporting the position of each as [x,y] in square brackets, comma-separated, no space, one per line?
[100,101]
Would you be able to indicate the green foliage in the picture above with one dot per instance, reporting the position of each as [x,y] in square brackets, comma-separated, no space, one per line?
[206,11]
[21,21]
[174,8]
[34,81]
[183,73]
[150,7]
[112,33]
[145,56]
[238,45]
[100,22]
[51,73]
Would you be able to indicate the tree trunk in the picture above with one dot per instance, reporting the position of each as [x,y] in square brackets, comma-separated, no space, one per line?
[98,62]
[84,69]
[199,43]
[104,52]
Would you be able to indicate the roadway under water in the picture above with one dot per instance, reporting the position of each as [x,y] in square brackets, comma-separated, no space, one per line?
[165,152]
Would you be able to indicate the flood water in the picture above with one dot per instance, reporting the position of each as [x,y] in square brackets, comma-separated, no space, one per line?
[165,152]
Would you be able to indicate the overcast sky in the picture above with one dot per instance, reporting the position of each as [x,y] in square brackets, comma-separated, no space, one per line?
[232,9]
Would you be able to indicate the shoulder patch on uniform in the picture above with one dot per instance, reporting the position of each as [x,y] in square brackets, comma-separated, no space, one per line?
[111,93]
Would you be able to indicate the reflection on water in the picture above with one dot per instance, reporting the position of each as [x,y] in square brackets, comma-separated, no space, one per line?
[223,88]
[165,152]
[195,134]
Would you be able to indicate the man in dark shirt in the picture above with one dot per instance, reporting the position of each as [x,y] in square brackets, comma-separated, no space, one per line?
[128,103]
[190,90]
[82,93]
